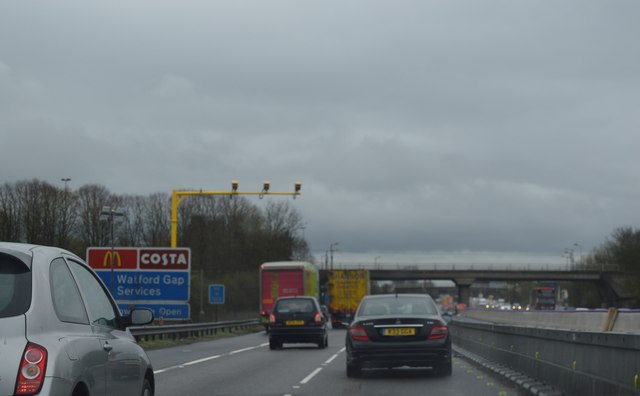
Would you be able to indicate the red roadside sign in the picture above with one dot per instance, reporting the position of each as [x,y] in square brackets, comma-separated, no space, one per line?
[100,258]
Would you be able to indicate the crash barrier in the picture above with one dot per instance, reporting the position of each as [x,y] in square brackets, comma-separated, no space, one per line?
[573,362]
[594,320]
[177,331]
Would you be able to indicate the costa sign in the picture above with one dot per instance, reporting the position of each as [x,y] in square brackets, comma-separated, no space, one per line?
[157,259]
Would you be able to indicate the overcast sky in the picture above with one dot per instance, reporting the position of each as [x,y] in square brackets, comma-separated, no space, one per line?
[414,126]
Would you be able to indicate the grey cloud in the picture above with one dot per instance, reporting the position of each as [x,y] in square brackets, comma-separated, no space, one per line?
[413,125]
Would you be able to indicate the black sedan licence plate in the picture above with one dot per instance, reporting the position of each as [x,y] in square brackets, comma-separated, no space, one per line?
[399,331]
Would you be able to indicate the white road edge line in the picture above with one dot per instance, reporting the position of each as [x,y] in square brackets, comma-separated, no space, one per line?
[310,376]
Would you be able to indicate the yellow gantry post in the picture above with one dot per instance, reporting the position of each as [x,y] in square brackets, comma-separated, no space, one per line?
[177,196]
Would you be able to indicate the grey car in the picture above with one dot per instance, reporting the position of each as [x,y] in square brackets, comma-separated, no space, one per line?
[61,332]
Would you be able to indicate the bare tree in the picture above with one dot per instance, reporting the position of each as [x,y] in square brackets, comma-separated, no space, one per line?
[131,225]
[11,228]
[91,199]
[67,215]
[282,218]
[39,203]
[156,214]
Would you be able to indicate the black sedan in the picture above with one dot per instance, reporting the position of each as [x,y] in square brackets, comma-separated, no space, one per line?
[397,330]
[297,320]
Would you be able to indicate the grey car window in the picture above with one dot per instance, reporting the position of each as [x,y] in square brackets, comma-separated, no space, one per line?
[398,306]
[101,312]
[66,298]
[295,306]
[15,287]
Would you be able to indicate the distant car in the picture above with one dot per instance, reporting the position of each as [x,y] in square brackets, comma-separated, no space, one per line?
[297,320]
[395,330]
[63,333]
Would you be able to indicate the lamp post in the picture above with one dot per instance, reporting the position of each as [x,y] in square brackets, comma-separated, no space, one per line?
[64,221]
[108,213]
[375,262]
[568,253]
[579,249]
[331,250]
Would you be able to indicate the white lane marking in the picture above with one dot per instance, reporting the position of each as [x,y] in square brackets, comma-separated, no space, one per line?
[330,359]
[342,350]
[310,376]
[179,366]
[201,360]
[242,350]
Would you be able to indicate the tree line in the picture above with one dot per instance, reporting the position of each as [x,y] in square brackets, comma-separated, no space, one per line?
[620,252]
[229,237]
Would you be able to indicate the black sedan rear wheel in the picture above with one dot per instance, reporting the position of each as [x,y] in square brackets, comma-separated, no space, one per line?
[443,369]
[353,371]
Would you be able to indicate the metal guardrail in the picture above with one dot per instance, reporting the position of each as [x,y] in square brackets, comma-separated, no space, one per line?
[174,331]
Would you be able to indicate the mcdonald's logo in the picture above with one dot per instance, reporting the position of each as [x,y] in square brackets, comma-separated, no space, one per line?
[112,256]
[100,258]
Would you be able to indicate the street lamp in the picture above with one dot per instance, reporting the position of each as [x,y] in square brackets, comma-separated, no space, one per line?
[65,180]
[580,249]
[331,250]
[107,214]
[375,262]
[568,253]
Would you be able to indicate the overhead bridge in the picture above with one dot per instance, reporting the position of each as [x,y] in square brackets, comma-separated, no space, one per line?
[607,281]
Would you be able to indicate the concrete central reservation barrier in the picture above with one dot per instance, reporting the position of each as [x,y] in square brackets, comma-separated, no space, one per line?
[569,351]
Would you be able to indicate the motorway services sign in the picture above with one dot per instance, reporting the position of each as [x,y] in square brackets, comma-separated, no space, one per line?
[144,276]
[216,294]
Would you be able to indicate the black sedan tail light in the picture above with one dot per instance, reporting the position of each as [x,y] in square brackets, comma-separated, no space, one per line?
[358,333]
[438,332]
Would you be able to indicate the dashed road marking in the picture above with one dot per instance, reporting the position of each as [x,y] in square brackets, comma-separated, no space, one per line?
[310,376]
[206,359]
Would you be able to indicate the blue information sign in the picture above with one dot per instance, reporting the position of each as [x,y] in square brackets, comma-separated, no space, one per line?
[216,294]
[148,285]
[164,311]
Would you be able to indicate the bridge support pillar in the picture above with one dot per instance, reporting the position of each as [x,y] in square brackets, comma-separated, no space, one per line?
[464,294]
[464,290]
